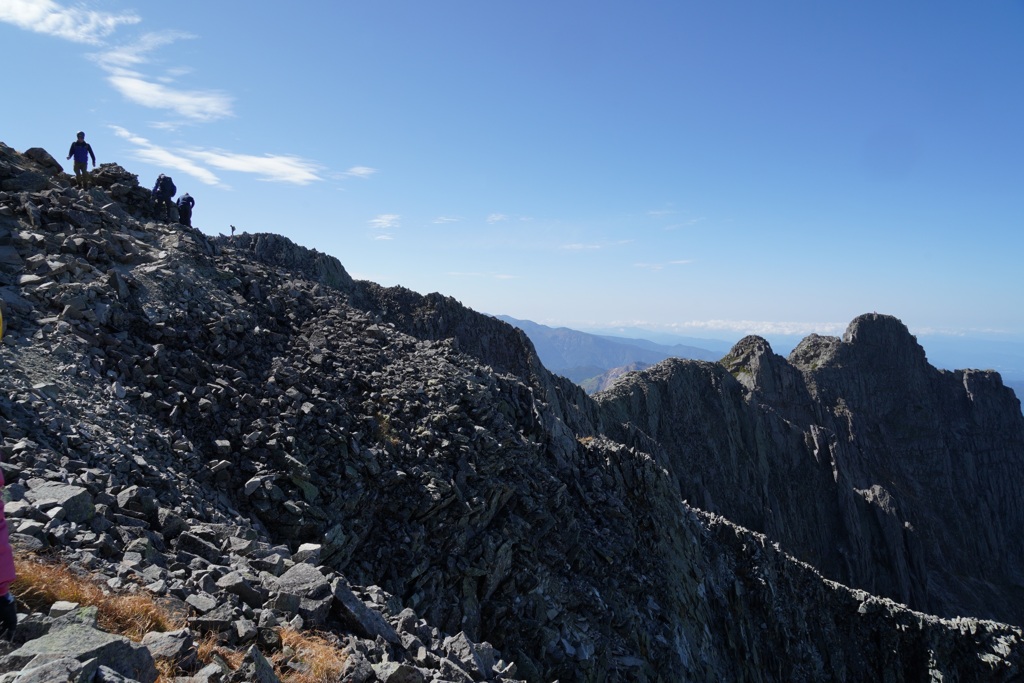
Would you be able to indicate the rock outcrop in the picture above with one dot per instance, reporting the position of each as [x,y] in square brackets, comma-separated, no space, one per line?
[235,425]
[857,456]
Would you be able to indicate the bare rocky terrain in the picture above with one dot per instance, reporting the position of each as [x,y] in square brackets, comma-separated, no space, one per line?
[237,426]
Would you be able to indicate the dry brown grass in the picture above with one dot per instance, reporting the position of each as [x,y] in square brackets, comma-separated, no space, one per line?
[41,583]
[209,646]
[322,659]
[133,615]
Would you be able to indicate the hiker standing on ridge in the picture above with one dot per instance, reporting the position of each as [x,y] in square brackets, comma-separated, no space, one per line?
[185,205]
[81,151]
[163,191]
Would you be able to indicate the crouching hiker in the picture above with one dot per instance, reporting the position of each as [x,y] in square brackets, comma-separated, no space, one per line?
[185,205]
[163,191]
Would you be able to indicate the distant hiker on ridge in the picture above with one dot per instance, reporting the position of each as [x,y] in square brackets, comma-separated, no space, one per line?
[81,151]
[185,205]
[163,191]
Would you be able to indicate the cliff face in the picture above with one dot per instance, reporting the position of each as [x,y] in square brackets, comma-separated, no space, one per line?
[222,411]
[857,456]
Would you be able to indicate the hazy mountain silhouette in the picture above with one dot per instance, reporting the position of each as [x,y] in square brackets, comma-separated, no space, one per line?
[583,357]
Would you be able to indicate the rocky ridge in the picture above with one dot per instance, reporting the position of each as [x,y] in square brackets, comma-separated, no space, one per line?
[237,426]
[857,456]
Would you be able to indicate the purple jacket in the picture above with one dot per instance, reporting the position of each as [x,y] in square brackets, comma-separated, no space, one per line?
[81,150]
[6,555]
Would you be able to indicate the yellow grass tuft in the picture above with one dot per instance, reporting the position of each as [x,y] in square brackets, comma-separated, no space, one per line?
[209,647]
[40,584]
[323,660]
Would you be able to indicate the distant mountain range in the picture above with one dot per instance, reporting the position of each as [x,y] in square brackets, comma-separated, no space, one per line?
[593,360]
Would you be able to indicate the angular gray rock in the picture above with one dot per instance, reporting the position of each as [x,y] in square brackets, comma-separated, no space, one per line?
[85,644]
[364,620]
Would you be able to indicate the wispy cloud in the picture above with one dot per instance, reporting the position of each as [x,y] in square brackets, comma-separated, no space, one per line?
[360,172]
[385,221]
[593,246]
[134,54]
[76,24]
[270,167]
[164,158]
[195,105]
[196,162]
[497,218]
[384,237]
[122,64]
[447,219]
[762,327]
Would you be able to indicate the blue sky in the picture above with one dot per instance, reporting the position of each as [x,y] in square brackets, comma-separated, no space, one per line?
[709,168]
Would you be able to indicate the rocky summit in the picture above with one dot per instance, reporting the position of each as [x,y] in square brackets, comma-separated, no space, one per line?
[237,427]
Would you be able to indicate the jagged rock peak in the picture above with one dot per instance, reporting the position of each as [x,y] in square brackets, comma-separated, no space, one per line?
[871,340]
[753,363]
[814,351]
[751,344]
[883,332]
[744,359]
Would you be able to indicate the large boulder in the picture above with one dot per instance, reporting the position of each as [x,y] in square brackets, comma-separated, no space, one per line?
[46,162]
[84,643]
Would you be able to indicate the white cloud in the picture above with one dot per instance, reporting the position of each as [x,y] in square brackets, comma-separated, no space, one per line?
[121,64]
[360,172]
[196,105]
[159,156]
[661,266]
[447,219]
[763,327]
[131,55]
[497,218]
[68,23]
[195,162]
[90,27]
[383,237]
[271,167]
[385,221]
[594,246]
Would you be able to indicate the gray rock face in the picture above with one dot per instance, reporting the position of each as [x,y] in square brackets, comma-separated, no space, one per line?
[857,456]
[234,425]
